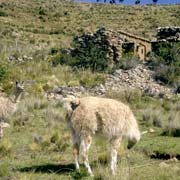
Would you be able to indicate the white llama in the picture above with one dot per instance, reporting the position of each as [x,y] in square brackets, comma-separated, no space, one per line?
[91,115]
[8,106]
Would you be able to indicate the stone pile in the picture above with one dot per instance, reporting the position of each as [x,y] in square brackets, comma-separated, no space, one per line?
[22,59]
[139,77]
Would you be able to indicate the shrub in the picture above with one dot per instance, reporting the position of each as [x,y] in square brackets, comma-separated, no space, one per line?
[93,57]
[4,14]
[54,51]
[42,11]
[165,62]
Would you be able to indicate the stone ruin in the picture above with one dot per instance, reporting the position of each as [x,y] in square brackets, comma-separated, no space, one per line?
[109,41]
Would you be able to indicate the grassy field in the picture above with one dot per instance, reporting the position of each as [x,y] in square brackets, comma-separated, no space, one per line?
[37,145]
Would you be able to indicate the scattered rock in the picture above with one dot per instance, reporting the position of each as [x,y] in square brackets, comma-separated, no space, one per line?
[174,159]
[15,59]
[164,165]
[139,77]
[151,130]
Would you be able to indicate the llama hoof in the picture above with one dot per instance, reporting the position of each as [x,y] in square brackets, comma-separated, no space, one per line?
[91,174]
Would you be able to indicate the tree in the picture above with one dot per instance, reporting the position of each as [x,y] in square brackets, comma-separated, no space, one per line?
[137,2]
[121,1]
[155,1]
[112,1]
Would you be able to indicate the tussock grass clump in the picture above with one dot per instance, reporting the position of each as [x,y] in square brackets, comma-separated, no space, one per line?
[24,115]
[80,175]
[53,115]
[5,147]
[151,116]
[173,128]
[52,143]
[4,170]
[89,79]
[128,62]
[126,95]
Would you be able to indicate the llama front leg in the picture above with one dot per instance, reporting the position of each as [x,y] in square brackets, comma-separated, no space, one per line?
[114,143]
[85,145]
[1,132]
[113,161]
[2,126]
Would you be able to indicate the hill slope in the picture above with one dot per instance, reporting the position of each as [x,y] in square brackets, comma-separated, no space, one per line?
[50,23]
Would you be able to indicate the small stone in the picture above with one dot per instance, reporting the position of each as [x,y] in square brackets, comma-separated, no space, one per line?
[164,165]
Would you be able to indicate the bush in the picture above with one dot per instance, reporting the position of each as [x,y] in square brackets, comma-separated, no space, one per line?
[4,14]
[165,62]
[42,11]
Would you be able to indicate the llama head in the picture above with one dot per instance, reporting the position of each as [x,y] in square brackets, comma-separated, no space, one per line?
[19,87]
[133,138]
[71,103]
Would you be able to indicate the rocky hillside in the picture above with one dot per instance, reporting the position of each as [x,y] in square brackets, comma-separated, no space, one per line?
[139,77]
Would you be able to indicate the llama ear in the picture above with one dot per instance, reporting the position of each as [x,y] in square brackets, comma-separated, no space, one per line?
[4,125]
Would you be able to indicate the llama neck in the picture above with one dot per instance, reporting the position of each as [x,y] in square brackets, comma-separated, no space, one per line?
[16,97]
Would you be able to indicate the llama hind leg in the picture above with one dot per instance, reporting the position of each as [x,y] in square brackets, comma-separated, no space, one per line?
[76,144]
[76,155]
[85,145]
[114,145]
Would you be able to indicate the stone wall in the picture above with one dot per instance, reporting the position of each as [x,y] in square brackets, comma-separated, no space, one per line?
[169,33]
[109,41]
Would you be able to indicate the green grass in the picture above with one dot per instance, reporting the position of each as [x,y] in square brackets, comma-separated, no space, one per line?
[24,157]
